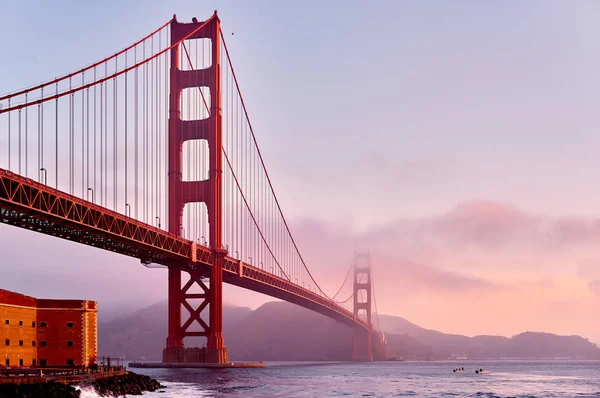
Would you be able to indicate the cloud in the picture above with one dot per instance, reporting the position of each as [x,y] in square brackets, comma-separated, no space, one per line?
[483,223]
[485,254]
[494,225]
[411,278]
[594,286]
[589,267]
[329,248]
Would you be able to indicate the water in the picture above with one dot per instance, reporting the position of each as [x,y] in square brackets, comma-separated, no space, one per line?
[386,379]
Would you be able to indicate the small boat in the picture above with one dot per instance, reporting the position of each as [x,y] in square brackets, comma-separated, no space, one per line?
[394,358]
[459,370]
[483,372]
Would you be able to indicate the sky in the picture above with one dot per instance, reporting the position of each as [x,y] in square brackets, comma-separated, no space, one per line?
[455,140]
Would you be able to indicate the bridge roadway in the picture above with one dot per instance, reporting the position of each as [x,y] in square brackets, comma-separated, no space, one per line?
[31,205]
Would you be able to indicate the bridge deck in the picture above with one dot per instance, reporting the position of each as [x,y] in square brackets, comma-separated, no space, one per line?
[28,204]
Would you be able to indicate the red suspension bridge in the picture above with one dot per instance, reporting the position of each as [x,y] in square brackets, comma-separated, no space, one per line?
[150,153]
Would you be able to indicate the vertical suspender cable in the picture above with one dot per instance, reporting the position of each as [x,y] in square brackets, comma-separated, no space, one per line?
[144,129]
[83,157]
[115,142]
[26,140]
[156,132]
[9,146]
[70,139]
[135,123]
[152,130]
[19,154]
[42,137]
[126,141]
[72,122]
[106,137]
[87,183]
[39,140]
[95,131]
[146,172]
[101,142]
[56,142]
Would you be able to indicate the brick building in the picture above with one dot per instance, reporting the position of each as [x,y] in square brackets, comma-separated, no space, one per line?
[40,332]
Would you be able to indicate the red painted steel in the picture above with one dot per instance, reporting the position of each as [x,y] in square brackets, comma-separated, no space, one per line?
[210,192]
[98,81]
[29,204]
[83,70]
[362,344]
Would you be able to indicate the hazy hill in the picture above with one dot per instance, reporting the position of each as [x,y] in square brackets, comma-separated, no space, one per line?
[143,332]
[283,331]
[277,331]
[441,344]
[524,345]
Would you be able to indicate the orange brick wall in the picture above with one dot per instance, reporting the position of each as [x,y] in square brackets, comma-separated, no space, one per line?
[56,334]
[56,314]
[15,333]
[91,353]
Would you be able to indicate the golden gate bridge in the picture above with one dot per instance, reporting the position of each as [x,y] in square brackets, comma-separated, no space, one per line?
[150,153]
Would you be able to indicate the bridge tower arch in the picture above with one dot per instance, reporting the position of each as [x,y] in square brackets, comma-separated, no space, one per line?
[209,191]
[362,342]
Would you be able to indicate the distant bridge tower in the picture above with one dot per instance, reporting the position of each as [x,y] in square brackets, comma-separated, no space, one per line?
[209,191]
[362,344]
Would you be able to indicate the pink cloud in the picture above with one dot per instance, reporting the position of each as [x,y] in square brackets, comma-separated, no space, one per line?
[510,267]
[412,277]
[595,286]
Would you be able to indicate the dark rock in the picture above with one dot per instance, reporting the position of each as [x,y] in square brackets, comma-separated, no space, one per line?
[49,389]
[130,384]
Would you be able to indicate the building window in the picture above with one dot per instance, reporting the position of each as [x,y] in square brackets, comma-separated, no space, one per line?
[21,362]
[33,362]
[43,362]
[43,324]
[32,324]
[70,362]
[33,343]
[20,323]
[69,324]
[7,362]
[43,343]
[7,322]
[69,344]
[7,342]
[21,343]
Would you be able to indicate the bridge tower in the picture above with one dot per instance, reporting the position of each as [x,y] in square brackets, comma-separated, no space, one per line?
[208,191]
[362,343]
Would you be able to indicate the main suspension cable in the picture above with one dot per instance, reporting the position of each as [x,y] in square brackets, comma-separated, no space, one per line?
[265,169]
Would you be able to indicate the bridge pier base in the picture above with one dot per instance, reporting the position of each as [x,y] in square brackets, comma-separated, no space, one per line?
[217,355]
[362,346]
[172,355]
[195,355]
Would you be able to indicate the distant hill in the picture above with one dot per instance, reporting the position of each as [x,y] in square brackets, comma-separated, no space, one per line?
[528,345]
[283,331]
[142,334]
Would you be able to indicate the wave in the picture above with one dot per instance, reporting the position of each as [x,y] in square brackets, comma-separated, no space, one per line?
[87,392]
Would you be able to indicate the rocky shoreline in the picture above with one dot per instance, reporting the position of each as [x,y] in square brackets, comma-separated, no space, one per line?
[115,386]
[130,384]
[50,389]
